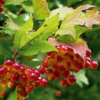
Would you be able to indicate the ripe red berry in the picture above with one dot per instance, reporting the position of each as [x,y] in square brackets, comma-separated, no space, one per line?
[32,76]
[11,84]
[88,59]
[15,67]
[8,63]
[88,52]
[49,72]
[1,9]
[87,64]
[2,2]
[3,83]
[41,69]
[23,78]
[43,82]
[37,73]
[93,64]
[21,70]
[15,77]
[19,86]
[66,73]
[45,63]
[71,79]
[28,70]
[57,74]
[63,82]
[58,93]
[29,88]
[36,83]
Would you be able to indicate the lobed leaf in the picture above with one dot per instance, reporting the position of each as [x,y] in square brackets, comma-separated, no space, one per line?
[41,10]
[69,25]
[78,46]
[31,43]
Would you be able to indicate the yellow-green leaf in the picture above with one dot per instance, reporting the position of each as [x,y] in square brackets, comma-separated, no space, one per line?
[41,10]
[21,35]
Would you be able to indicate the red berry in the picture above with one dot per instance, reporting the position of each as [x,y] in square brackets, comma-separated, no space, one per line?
[2,2]
[36,83]
[49,72]
[19,86]
[15,67]
[87,64]
[66,73]
[88,59]
[57,74]
[21,70]
[23,78]
[32,76]
[55,64]
[58,93]
[37,73]
[45,63]
[43,82]
[3,83]
[29,88]
[8,63]
[71,79]
[88,52]
[15,77]
[41,69]
[59,58]
[1,9]
[11,84]
[28,70]
[63,82]
[93,64]
[61,69]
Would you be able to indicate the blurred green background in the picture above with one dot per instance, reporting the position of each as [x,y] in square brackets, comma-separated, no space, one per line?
[20,13]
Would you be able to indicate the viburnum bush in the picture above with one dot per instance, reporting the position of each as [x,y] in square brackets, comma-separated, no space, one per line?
[58,37]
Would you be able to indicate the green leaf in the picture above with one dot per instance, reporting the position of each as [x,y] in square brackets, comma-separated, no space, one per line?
[20,20]
[41,10]
[34,42]
[63,37]
[79,30]
[11,94]
[79,46]
[9,2]
[4,50]
[37,46]
[27,5]
[8,31]
[80,76]
[21,35]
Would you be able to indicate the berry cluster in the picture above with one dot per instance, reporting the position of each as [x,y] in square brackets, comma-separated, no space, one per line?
[55,65]
[2,2]
[63,63]
[12,74]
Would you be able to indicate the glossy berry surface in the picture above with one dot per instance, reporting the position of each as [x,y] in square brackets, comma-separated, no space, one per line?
[43,82]
[58,93]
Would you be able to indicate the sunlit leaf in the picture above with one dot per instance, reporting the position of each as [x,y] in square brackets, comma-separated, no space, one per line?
[41,10]
[62,11]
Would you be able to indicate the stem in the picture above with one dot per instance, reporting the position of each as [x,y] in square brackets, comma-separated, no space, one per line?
[15,56]
[24,65]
